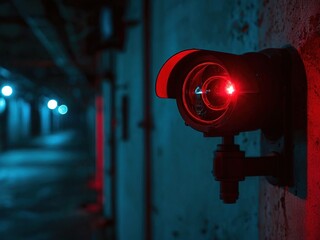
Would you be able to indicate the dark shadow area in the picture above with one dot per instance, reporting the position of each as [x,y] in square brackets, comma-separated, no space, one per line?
[43,186]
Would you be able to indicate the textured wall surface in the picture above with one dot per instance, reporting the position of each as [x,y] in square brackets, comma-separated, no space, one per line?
[186,202]
[130,168]
[282,215]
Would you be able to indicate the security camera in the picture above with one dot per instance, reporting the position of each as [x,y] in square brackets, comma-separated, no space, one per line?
[223,94]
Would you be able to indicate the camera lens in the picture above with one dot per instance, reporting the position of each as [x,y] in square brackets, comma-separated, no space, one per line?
[217,93]
[207,92]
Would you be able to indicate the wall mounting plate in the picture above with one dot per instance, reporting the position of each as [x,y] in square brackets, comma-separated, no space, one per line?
[293,143]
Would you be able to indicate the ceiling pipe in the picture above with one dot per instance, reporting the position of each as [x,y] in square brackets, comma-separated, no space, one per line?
[50,39]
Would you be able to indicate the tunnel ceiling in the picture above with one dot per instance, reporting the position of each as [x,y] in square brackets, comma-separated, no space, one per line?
[54,43]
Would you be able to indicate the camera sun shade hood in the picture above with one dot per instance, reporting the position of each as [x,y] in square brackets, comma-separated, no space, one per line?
[165,80]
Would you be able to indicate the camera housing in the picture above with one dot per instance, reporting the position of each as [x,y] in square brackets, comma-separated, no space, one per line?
[223,94]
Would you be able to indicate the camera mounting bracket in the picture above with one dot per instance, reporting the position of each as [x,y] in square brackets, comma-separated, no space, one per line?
[231,166]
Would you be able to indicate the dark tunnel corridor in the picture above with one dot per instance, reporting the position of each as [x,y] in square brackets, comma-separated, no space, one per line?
[44,188]
[90,151]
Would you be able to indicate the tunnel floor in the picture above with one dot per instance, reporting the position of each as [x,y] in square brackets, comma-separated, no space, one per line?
[43,186]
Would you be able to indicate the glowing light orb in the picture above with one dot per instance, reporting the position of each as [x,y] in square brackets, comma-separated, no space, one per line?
[52,104]
[6,91]
[63,109]
[230,89]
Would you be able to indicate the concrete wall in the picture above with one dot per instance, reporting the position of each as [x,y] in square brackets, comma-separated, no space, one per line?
[283,215]
[186,202]
[90,123]
[130,168]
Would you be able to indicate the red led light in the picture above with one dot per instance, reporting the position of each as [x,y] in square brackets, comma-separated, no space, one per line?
[230,89]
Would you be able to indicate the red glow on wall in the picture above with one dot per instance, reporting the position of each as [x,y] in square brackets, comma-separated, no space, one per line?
[311,55]
[99,146]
